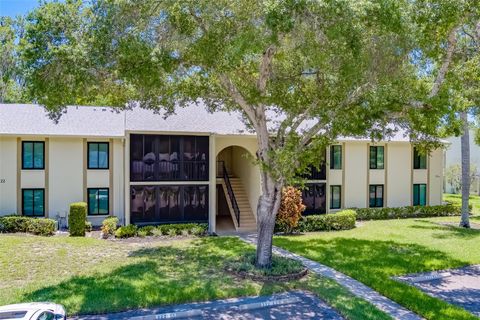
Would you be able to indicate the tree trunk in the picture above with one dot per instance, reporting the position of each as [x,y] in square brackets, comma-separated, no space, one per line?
[267,209]
[465,150]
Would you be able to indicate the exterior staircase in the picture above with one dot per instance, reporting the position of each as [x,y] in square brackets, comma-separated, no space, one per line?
[247,219]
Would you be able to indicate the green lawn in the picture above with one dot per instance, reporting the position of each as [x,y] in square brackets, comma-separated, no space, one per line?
[377,250]
[457,199]
[94,276]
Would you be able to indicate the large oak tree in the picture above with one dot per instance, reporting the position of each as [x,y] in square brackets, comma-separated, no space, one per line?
[301,72]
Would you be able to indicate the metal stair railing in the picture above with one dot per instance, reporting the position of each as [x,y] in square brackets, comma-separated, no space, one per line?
[231,195]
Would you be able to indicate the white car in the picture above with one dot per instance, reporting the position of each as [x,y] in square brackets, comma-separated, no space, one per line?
[33,311]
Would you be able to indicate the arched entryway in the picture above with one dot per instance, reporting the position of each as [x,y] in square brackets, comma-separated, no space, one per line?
[238,187]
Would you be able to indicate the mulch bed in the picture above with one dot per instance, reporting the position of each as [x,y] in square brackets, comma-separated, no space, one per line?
[257,277]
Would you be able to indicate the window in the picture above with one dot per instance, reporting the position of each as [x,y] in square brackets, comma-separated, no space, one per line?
[98,201]
[169,204]
[419,194]
[33,202]
[33,155]
[376,196]
[335,197]
[376,157]
[98,155]
[46,316]
[168,158]
[336,157]
[314,198]
[318,172]
[419,160]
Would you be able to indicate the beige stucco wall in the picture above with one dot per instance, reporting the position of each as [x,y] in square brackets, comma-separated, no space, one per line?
[249,174]
[435,177]
[420,175]
[66,177]
[8,175]
[66,169]
[226,156]
[399,174]
[117,189]
[377,176]
[247,142]
[65,174]
[98,178]
[32,179]
[355,174]
[335,177]
[241,166]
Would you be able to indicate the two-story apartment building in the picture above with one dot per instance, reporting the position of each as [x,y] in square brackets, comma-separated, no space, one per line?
[191,166]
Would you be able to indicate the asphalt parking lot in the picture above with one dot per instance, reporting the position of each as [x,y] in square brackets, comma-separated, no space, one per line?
[295,305]
[456,286]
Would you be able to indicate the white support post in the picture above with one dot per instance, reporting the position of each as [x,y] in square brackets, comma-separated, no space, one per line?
[212,187]
[126,180]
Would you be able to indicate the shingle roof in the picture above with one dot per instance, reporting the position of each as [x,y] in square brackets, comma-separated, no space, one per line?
[189,119]
[29,119]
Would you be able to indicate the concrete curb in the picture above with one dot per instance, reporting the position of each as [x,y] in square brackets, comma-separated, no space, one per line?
[170,315]
[268,304]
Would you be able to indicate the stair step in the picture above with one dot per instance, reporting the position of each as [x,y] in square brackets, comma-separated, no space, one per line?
[247,228]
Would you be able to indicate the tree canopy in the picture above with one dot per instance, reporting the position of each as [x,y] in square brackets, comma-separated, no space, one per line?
[301,72]
[10,73]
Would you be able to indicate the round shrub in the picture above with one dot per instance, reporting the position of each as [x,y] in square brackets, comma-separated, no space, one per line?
[290,210]
[126,231]
[146,231]
[14,223]
[41,226]
[76,219]
[109,226]
[88,226]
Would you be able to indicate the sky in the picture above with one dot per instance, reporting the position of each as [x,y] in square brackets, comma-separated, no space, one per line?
[13,8]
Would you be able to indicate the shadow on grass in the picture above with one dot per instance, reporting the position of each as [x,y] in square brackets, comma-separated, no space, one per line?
[375,262]
[448,231]
[154,276]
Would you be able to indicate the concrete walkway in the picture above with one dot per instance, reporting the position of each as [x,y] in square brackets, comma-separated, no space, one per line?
[388,306]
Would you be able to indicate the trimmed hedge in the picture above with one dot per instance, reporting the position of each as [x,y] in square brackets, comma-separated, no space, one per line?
[408,212]
[196,229]
[342,220]
[37,226]
[181,228]
[76,219]
[126,231]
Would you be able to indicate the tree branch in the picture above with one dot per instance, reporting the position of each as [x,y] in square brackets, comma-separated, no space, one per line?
[265,68]
[349,100]
[232,90]
[198,20]
[451,45]
[477,33]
